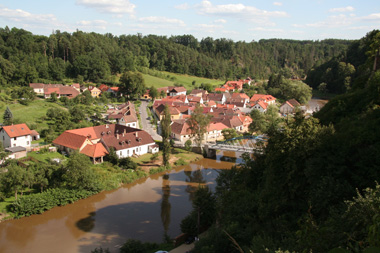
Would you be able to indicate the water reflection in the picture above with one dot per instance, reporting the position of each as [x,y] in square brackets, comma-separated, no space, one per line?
[144,210]
[165,204]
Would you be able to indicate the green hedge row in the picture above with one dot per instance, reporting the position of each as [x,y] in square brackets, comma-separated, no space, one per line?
[38,203]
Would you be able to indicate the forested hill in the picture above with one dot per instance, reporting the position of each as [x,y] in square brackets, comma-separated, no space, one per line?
[315,186]
[26,58]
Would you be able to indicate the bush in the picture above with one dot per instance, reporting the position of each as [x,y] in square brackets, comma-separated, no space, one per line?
[40,202]
[180,162]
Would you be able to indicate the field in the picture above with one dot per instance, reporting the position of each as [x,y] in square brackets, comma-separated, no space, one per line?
[30,114]
[170,79]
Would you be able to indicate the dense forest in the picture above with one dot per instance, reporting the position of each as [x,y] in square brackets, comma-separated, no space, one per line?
[81,56]
[314,186]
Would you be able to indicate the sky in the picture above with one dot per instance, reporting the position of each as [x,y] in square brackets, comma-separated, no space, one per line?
[242,20]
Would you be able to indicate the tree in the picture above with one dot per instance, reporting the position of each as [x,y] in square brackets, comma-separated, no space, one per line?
[153,93]
[166,131]
[77,113]
[229,133]
[259,123]
[14,178]
[79,175]
[198,123]
[188,144]
[132,83]
[7,117]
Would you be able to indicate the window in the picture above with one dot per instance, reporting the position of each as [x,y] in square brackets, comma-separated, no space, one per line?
[27,143]
[15,138]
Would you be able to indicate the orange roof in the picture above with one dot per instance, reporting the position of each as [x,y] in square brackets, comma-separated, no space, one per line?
[70,140]
[96,150]
[216,126]
[263,104]
[17,130]
[257,97]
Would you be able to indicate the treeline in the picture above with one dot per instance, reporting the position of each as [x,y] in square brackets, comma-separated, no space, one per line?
[26,58]
[314,187]
[337,75]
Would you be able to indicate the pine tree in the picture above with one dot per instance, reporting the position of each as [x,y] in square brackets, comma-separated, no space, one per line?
[8,117]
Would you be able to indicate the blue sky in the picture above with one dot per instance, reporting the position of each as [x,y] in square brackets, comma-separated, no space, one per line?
[240,20]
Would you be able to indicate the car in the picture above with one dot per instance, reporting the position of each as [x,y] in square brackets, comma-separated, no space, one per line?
[190,239]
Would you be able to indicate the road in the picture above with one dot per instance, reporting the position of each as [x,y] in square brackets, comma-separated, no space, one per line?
[145,122]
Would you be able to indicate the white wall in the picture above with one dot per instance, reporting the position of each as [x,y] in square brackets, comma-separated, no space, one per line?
[139,150]
[23,141]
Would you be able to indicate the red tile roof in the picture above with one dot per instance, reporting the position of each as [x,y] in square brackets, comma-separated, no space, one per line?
[17,130]
[96,150]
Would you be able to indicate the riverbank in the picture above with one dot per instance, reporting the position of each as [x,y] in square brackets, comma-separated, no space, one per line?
[112,177]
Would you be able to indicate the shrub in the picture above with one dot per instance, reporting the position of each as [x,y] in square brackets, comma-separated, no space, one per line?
[180,162]
[40,202]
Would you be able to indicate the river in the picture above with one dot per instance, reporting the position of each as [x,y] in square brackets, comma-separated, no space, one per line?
[144,210]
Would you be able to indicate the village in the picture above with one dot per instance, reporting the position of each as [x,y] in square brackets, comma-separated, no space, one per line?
[228,108]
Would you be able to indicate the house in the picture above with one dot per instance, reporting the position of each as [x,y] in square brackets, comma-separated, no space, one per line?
[269,99]
[38,88]
[195,99]
[16,136]
[237,85]
[35,135]
[174,112]
[95,92]
[61,91]
[15,152]
[218,98]
[289,106]
[95,142]
[176,91]
[198,93]
[124,114]
[214,131]
[261,106]
[76,86]
[180,130]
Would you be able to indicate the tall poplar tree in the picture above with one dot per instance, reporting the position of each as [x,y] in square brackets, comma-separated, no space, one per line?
[166,131]
[7,117]
[198,124]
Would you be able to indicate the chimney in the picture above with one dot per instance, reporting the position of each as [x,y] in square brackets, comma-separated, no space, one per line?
[137,134]
[107,126]
[117,136]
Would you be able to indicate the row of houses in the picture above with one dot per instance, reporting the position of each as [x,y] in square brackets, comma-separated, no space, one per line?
[70,91]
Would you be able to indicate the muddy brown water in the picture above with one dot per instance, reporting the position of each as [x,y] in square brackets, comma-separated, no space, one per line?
[144,210]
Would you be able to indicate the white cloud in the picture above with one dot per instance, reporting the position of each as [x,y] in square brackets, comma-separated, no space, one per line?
[264,29]
[220,21]
[331,22]
[238,10]
[208,26]
[277,3]
[162,20]
[19,15]
[343,9]
[184,6]
[96,24]
[372,17]
[109,6]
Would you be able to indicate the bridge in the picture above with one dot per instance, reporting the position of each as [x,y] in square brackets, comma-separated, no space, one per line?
[246,144]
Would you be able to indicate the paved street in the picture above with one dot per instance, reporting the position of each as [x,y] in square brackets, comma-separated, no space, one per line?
[145,122]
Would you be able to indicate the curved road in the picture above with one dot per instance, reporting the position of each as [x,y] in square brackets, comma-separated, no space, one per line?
[145,121]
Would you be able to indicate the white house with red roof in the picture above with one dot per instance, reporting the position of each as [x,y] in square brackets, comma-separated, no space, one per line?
[16,136]
[95,142]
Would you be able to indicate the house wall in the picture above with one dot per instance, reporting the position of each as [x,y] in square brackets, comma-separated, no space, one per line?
[258,107]
[285,108]
[23,141]
[39,91]
[138,150]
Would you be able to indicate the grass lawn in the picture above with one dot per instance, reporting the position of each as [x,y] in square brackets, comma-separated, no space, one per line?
[47,156]
[184,80]
[32,113]
[187,80]
[156,81]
